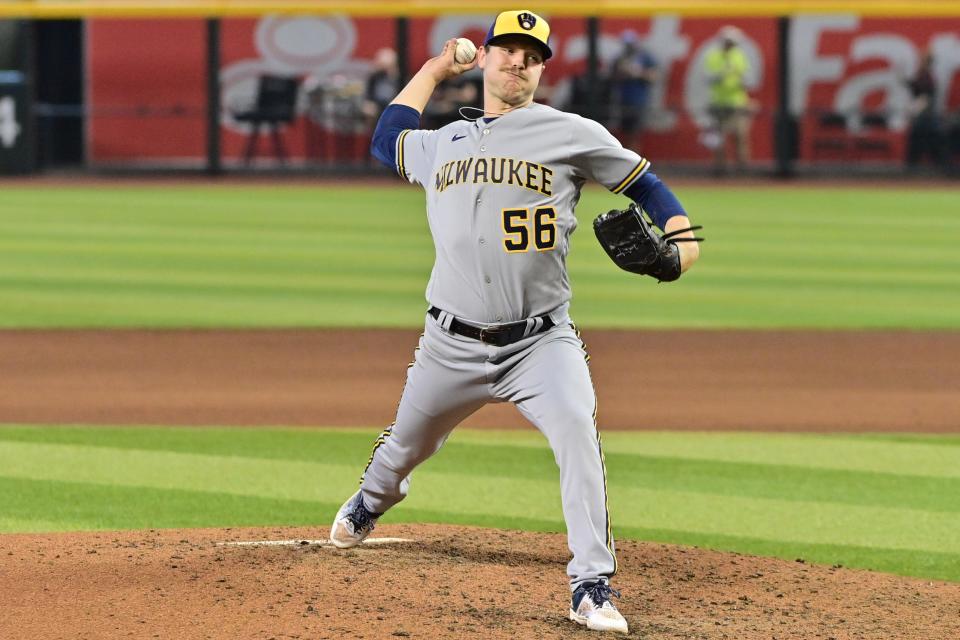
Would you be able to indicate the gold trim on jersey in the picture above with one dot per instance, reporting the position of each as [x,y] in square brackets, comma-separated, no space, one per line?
[401,169]
[386,433]
[637,171]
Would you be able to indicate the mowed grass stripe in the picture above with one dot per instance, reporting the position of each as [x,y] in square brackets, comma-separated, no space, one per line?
[336,256]
[827,451]
[926,564]
[287,479]
[768,518]
[784,483]
[920,438]
[906,454]
[344,446]
[942,566]
[709,476]
[88,506]
[114,282]
[10,524]
[773,519]
[236,266]
[128,236]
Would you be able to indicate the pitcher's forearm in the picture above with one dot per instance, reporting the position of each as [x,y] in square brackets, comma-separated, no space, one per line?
[689,251]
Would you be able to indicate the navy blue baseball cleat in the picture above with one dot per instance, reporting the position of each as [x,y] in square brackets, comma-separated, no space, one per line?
[592,608]
[353,523]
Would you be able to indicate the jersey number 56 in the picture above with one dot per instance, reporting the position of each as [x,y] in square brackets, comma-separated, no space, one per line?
[517,229]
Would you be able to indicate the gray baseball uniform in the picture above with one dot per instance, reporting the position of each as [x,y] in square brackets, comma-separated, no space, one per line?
[501,195]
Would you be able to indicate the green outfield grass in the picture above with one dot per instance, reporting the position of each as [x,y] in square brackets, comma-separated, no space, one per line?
[885,503]
[234,256]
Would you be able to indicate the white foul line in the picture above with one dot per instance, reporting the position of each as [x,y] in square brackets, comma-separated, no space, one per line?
[303,543]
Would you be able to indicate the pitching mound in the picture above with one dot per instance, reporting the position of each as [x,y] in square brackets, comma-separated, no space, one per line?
[443,582]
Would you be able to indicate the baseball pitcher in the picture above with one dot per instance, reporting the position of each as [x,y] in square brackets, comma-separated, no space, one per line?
[501,188]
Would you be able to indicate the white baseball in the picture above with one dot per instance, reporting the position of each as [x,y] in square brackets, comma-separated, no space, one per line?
[466,51]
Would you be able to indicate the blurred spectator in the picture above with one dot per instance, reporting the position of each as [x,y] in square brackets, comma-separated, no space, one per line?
[633,74]
[336,120]
[591,97]
[952,153]
[382,85]
[449,96]
[730,106]
[344,103]
[926,130]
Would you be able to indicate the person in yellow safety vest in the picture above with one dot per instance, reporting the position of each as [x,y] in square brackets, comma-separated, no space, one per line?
[730,106]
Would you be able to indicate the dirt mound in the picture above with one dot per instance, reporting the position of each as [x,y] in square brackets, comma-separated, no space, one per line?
[446,582]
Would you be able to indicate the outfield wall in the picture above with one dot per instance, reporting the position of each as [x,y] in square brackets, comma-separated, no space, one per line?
[115,85]
[837,63]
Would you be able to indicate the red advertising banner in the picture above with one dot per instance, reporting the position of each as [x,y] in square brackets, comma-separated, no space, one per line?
[145,90]
[147,87]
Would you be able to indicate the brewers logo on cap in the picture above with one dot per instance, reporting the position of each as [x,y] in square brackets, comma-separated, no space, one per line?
[524,23]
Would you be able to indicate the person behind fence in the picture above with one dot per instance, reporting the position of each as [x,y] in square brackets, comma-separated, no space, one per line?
[591,94]
[926,130]
[726,67]
[952,140]
[382,84]
[447,99]
[634,72]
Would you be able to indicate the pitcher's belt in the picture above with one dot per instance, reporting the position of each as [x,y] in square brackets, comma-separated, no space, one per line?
[499,335]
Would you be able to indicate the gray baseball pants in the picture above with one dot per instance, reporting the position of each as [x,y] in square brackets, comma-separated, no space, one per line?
[547,377]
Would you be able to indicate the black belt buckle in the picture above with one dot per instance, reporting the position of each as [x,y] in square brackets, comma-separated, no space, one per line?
[494,336]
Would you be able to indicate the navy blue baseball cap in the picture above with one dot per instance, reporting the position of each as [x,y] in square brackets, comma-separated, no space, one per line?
[521,23]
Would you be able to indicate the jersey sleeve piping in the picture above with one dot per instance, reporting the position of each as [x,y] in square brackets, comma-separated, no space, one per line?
[637,171]
[401,169]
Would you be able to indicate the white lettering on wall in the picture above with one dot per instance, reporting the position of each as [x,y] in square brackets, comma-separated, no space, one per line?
[945,48]
[806,66]
[9,128]
[898,53]
[668,46]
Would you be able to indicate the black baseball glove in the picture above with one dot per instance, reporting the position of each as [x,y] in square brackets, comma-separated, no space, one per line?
[634,246]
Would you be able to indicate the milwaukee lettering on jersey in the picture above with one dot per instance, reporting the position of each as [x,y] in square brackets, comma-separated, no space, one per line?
[508,171]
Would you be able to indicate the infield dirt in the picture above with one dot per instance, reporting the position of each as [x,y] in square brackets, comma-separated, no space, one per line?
[699,380]
[456,582]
